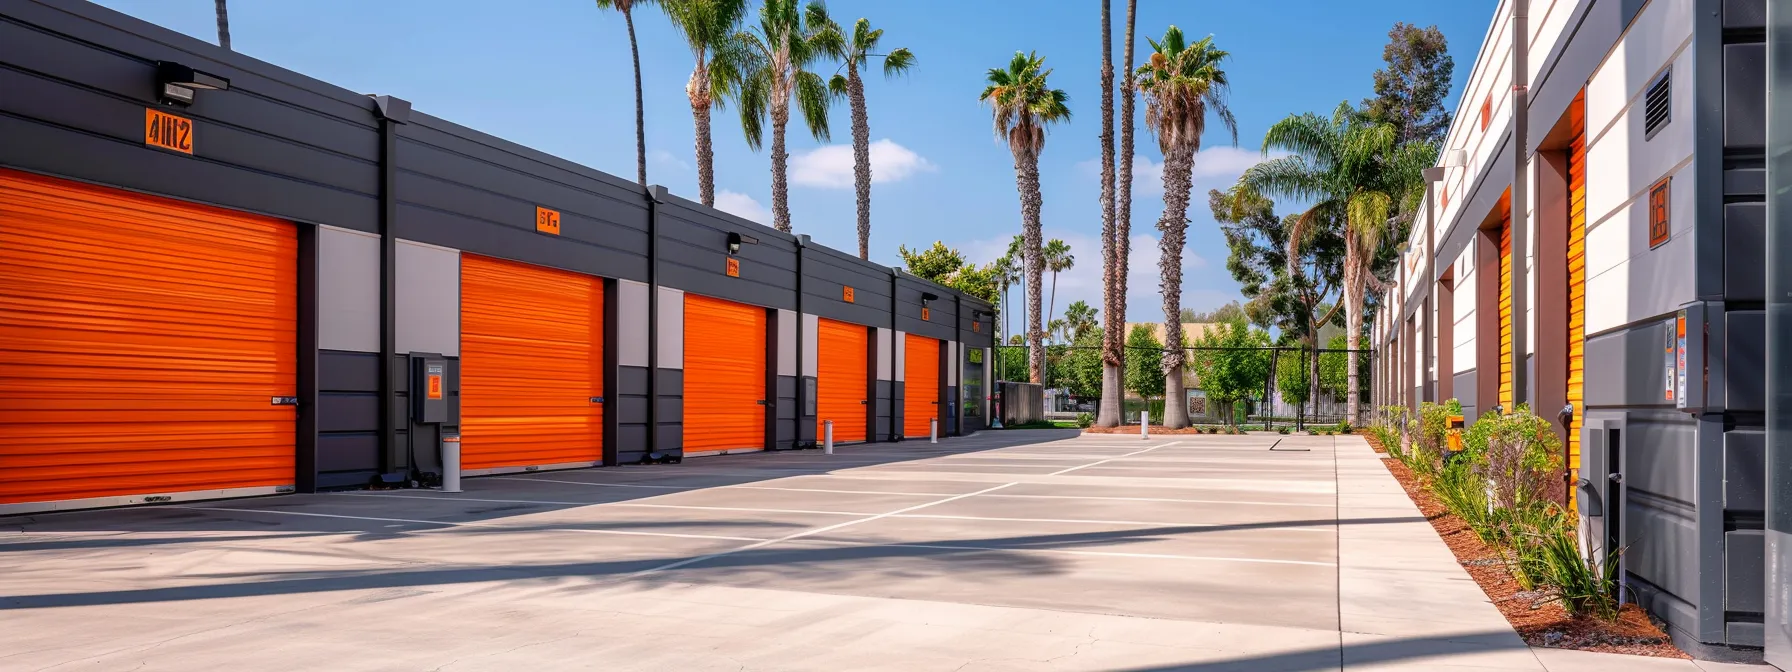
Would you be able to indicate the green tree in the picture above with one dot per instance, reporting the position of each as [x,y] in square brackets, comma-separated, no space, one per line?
[627,8]
[983,282]
[1234,366]
[1057,260]
[773,69]
[1361,185]
[1410,92]
[708,28]
[1293,381]
[1181,83]
[856,50]
[1144,363]
[1333,376]
[1023,105]
[1080,368]
[1079,321]
[932,263]
[1230,312]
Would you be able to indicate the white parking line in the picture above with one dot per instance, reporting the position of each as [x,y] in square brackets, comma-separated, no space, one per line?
[1061,472]
[443,523]
[1134,523]
[1229,502]
[1064,551]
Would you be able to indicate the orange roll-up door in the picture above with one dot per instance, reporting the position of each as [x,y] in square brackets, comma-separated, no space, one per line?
[1505,395]
[142,343]
[921,385]
[724,375]
[531,360]
[844,378]
[1577,274]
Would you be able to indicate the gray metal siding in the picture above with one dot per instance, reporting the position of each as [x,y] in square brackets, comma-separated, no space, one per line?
[826,272]
[693,256]
[1631,366]
[348,417]
[943,315]
[277,143]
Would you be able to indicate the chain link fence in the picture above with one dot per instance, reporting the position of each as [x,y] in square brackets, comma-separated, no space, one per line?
[1275,386]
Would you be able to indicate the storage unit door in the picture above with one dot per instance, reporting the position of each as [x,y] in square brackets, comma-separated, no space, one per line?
[143,345]
[724,375]
[1505,309]
[843,380]
[1577,276]
[531,362]
[921,385]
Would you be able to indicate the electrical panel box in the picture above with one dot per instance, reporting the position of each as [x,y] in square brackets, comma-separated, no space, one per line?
[429,388]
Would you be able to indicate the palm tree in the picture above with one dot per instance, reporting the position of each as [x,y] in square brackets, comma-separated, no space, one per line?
[1362,185]
[708,27]
[1009,267]
[1023,104]
[223,13]
[627,8]
[1113,337]
[773,68]
[1180,83]
[1057,260]
[858,50]
[1079,321]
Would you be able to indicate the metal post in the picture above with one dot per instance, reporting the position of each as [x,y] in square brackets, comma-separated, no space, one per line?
[1521,239]
[1145,420]
[827,437]
[933,430]
[450,461]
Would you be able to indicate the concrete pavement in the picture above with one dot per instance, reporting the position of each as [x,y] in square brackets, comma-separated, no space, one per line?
[1018,550]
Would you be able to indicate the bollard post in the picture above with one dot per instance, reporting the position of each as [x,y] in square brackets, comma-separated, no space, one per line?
[933,430]
[450,462]
[827,437]
[1145,423]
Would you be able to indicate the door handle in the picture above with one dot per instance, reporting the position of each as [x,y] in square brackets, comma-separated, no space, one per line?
[864,401]
[761,402]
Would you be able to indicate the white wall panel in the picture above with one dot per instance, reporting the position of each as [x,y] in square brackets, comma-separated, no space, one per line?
[1661,30]
[884,354]
[1627,281]
[671,332]
[786,329]
[631,323]
[348,297]
[899,341]
[811,345]
[427,295]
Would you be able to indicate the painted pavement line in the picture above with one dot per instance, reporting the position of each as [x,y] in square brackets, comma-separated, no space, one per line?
[1234,502]
[1061,472]
[1105,554]
[442,523]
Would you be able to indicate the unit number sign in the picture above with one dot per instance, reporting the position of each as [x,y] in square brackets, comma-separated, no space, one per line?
[167,131]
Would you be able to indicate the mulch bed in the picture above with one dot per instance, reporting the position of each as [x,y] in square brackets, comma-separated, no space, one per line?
[1538,619]
[1376,444]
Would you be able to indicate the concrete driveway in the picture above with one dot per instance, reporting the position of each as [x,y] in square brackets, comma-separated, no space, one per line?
[1019,550]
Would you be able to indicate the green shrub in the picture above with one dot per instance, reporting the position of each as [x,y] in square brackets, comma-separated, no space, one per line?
[1585,586]
[1283,431]
[1343,426]
[1085,420]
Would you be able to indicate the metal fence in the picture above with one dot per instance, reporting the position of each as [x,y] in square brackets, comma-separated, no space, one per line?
[1072,381]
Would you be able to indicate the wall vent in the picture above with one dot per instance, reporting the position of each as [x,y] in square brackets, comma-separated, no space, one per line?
[1658,104]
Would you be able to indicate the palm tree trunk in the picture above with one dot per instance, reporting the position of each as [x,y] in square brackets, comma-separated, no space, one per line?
[1353,318]
[640,109]
[1107,414]
[1178,177]
[1113,371]
[861,157]
[1051,305]
[780,174]
[223,11]
[698,91]
[1026,170]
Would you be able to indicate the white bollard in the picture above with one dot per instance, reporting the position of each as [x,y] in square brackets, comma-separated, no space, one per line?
[933,430]
[1145,424]
[451,463]
[827,437]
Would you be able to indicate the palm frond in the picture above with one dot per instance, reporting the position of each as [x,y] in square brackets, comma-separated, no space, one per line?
[837,85]
[898,62]
[812,97]
[1291,177]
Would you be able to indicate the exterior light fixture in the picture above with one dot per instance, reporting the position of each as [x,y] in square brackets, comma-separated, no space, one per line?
[735,240]
[176,84]
[928,296]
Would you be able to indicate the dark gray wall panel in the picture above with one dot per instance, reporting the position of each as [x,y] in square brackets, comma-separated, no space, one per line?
[826,272]
[1664,546]
[974,332]
[1464,385]
[943,316]
[358,452]
[1745,95]
[693,256]
[1745,470]
[1745,251]
[1745,346]
[883,411]
[896,411]
[339,371]
[347,412]
[670,432]
[785,411]
[348,417]
[1744,571]
[629,402]
[448,229]
[1630,366]
[1745,14]
[1659,456]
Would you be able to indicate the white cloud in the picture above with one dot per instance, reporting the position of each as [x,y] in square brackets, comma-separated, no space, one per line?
[660,157]
[742,205]
[1215,168]
[830,166]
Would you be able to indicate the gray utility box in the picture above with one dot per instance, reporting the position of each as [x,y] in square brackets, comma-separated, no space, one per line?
[429,388]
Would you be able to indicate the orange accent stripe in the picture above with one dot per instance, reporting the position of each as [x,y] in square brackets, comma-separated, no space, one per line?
[141,340]
[844,379]
[1577,274]
[921,385]
[724,374]
[532,353]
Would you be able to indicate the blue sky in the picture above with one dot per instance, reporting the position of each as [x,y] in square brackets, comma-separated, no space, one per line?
[554,75]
